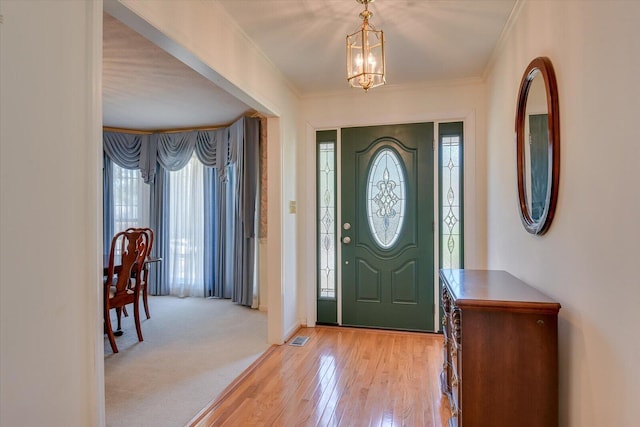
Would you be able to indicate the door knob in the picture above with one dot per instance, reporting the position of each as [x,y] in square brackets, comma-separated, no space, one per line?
[346,240]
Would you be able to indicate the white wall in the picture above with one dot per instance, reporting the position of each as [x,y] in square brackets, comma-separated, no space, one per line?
[203,36]
[50,214]
[50,189]
[588,260]
[446,101]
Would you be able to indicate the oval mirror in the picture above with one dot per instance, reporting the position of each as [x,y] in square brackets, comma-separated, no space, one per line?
[538,145]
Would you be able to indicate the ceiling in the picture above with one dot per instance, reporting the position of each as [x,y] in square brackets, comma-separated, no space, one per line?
[145,88]
[426,41]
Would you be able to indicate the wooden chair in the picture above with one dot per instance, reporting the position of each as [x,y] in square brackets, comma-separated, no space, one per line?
[123,287]
[144,279]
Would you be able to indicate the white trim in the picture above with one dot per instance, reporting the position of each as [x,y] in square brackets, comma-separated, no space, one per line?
[311,301]
[94,176]
[275,258]
[410,87]
[470,192]
[506,30]
[436,225]
[339,223]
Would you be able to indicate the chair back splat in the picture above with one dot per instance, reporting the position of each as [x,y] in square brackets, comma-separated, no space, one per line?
[122,284]
[144,278]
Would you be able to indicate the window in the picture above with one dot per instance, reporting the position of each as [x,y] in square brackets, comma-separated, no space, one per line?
[326,223]
[327,219]
[130,199]
[451,195]
[386,198]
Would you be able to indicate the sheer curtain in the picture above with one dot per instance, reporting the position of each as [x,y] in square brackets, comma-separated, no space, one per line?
[185,272]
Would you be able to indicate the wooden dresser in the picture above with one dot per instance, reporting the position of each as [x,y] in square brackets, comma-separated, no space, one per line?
[500,351]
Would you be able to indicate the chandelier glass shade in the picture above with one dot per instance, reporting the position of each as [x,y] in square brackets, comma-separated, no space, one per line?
[365,54]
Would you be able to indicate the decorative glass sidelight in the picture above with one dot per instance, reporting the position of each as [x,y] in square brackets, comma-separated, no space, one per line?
[451,201]
[326,220]
[386,198]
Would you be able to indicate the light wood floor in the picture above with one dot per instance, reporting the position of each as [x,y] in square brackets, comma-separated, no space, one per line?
[341,377]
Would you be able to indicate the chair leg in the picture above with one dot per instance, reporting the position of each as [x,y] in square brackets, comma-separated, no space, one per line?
[124,310]
[109,331]
[119,315]
[136,316]
[144,300]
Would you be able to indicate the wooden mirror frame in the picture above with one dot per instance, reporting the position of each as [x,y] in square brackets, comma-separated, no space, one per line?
[543,65]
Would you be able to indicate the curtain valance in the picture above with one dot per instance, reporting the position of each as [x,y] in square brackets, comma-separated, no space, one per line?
[123,148]
[130,151]
[175,149]
[215,148]
[209,144]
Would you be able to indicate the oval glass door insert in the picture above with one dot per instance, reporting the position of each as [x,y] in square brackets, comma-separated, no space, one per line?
[386,197]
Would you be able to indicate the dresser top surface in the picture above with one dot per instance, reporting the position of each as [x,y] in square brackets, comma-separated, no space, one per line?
[494,288]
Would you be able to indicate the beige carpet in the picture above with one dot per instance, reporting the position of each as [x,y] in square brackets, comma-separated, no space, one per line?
[192,349]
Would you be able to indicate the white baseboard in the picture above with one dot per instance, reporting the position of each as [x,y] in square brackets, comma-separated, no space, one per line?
[291,332]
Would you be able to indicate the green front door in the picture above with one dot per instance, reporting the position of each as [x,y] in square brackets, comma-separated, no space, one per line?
[387,227]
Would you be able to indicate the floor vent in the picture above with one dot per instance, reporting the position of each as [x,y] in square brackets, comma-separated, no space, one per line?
[299,341]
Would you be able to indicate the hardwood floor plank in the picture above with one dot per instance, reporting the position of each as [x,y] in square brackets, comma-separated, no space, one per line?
[341,377]
[314,398]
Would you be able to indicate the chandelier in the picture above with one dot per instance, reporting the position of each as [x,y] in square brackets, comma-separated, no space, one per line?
[365,53]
